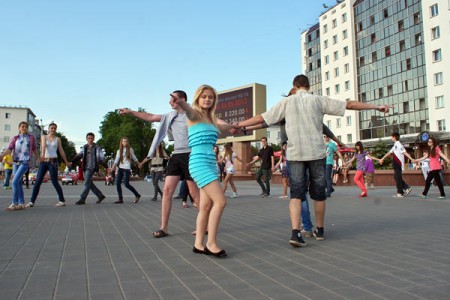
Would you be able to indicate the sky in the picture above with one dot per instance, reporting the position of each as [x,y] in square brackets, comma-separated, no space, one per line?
[72,62]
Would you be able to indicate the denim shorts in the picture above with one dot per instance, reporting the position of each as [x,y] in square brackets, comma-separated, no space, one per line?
[298,179]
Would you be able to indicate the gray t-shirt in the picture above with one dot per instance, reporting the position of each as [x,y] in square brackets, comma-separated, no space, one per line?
[304,123]
[179,133]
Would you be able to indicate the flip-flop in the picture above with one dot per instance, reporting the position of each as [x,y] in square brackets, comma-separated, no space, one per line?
[159,234]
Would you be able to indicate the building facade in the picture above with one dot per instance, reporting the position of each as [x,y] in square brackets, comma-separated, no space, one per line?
[382,52]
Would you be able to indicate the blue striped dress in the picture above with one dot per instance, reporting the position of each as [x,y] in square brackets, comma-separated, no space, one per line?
[202,161]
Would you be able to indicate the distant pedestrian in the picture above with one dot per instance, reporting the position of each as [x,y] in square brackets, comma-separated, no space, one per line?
[331,150]
[433,153]
[8,163]
[92,156]
[267,167]
[369,174]
[50,145]
[229,157]
[157,169]
[22,146]
[124,158]
[283,165]
[398,152]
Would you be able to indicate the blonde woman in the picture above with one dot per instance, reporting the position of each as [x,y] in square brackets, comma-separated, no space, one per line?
[229,158]
[203,132]
[124,157]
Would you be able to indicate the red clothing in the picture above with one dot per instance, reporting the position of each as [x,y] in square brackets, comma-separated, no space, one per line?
[435,164]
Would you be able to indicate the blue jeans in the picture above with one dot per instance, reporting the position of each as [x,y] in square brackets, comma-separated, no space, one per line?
[125,174]
[19,170]
[306,216]
[89,185]
[267,173]
[329,179]
[52,168]
[8,173]
[299,181]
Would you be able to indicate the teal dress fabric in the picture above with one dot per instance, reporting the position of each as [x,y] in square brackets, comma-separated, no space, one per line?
[202,161]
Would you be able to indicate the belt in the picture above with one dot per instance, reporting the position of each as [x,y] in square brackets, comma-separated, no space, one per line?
[158,165]
[50,159]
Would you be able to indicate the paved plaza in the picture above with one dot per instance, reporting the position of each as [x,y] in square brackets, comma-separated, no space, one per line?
[375,248]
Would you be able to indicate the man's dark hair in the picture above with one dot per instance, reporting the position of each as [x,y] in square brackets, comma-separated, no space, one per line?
[264,138]
[396,135]
[90,134]
[181,94]
[301,81]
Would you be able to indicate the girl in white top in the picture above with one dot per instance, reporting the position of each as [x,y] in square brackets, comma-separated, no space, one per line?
[229,157]
[124,157]
[50,144]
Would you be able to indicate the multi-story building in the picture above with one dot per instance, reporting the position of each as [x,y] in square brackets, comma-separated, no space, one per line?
[10,117]
[382,52]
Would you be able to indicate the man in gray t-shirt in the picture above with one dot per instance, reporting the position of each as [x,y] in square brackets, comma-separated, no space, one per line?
[173,125]
[304,113]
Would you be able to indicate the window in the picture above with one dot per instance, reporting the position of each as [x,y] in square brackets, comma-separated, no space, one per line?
[339,137]
[345,51]
[374,56]
[373,38]
[349,120]
[441,125]
[6,139]
[336,72]
[402,45]
[325,44]
[372,20]
[7,115]
[439,101]
[327,59]
[310,66]
[416,18]
[390,90]
[418,39]
[380,92]
[337,89]
[318,63]
[309,38]
[338,122]
[344,34]
[408,64]
[401,26]
[363,97]
[385,13]
[438,78]
[334,22]
[405,106]
[325,28]
[344,17]
[437,55]
[360,27]
[405,86]
[336,55]
[362,61]
[7,127]
[387,51]
[335,39]
[327,75]
[310,52]
[327,91]
[346,68]
[435,32]
[434,11]
[268,134]
[329,124]
[347,85]
[349,138]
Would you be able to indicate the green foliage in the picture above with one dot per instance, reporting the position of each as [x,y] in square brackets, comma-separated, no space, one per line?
[275,147]
[379,150]
[69,150]
[139,133]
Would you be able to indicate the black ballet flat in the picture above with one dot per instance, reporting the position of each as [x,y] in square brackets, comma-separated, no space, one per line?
[198,251]
[220,254]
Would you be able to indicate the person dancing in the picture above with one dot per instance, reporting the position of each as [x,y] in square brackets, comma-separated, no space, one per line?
[229,157]
[124,156]
[203,133]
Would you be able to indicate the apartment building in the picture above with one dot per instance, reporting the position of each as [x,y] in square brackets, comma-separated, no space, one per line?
[382,52]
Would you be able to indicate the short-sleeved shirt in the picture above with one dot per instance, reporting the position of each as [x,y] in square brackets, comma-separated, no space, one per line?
[370,168]
[435,164]
[304,123]
[266,157]
[331,149]
[398,161]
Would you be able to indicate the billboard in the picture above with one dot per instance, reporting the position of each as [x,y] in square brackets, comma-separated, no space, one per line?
[240,104]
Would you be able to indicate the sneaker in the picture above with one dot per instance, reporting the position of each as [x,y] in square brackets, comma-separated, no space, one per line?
[318,236]
[422,196]
[60,203]
[267,196]
[118,201]
[234,195]
[100,199]
[297,241]
[263,194]
[136,199]
[407,191]
[307,234]
[30,204]
[441,197]
[398,196]
[80,202]
[283,197]
[12,207]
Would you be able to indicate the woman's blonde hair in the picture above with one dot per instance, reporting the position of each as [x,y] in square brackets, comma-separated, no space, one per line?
[210,115]
[228,152]
[127,152]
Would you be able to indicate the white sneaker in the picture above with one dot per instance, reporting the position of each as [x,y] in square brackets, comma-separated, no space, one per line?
[60,203]
[398,196]
[283,197]
[234,195]
[29,204]
[407,191]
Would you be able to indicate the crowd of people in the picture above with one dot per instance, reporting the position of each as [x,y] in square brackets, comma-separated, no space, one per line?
[309,161]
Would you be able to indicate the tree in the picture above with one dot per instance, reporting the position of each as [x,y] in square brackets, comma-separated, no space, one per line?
[139,133]
[379,150]
[68,147]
